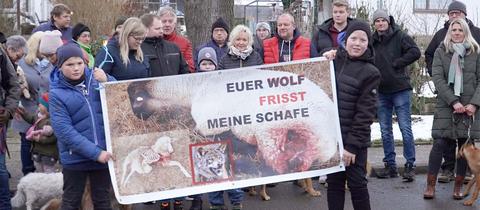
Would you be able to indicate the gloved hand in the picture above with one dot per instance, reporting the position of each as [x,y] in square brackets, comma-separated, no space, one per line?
[5,115]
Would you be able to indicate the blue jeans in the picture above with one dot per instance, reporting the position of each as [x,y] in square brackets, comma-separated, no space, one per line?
[400,102]
[216,198]
[4,188]
[26,155]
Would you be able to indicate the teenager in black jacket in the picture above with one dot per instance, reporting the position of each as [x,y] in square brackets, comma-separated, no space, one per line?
[357,80]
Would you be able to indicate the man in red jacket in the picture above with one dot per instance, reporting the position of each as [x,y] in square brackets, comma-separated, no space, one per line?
[169,21]
[288,44]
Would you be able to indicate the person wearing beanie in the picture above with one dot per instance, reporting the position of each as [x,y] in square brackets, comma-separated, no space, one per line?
[456,10]
[207,60]
[81,35]
[325,36]
[357,80]
[168,17]
[394,91]
[76,116]
[220,31]
[51,41]
[36,70]
[262,32]
[44,143]
[60,18]
[288,44]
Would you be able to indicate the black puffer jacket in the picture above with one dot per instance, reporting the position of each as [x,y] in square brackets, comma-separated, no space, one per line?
[230,61]
[165,57]
[357,81]
[394,51]
[321,40]
[438,39]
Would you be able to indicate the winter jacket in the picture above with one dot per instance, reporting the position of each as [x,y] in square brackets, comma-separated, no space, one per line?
[165,58]
[87,51]
[440,36]
[322,40]
[231,61]
[258,45]
[38,79]
[9,92]
[220,51]
[47,145]
[50,26]
[133,70]
[394,51]
[185,47]
[9,87]
[299,47]
[443,125]
[357,80]
[76,115]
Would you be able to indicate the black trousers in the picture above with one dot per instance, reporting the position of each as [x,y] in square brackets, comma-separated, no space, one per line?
[355,176]
[438,149]
[449,156]
[74,185]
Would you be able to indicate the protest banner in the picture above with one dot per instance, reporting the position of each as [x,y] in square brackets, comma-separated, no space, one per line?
[189,134]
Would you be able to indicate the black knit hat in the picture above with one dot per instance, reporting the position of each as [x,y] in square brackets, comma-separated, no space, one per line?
[456,5]
[358,25]
[78,29]
[67,51]
[220,23]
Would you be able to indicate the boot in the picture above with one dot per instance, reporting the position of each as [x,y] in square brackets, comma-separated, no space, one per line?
[430,191]
[457,194]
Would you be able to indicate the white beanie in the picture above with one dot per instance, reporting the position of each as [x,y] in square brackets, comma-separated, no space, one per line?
[50,42]
[263,25]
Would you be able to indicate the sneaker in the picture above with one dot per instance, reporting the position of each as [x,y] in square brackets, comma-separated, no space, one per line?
[196,205]
[388,172]
[322,179]
[409,173]
[165,206]
[468,177]
[218,208]
[177,205]
[446,176]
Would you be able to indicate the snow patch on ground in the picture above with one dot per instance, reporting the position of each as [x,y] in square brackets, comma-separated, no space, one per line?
[421,128]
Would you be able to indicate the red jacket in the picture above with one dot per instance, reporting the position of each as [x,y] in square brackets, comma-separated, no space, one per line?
[185,47]
[271,54]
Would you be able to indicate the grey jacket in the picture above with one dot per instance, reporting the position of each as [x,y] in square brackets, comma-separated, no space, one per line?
[38,82]
[443,125]
[9,87]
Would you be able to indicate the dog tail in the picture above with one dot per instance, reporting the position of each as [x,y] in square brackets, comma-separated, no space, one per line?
[19,199]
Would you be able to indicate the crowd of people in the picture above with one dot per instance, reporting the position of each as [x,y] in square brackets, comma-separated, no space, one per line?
[48,92]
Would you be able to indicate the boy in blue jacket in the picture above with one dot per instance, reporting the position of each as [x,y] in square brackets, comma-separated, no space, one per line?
[77,122]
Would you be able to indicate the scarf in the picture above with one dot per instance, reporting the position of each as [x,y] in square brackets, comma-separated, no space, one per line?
[241,54]
[455,71]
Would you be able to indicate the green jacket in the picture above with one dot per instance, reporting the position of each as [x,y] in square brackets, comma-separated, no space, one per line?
[88,51]
[443,125]
[47,145]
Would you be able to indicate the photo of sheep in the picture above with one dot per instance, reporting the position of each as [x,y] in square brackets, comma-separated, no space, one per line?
[170,134]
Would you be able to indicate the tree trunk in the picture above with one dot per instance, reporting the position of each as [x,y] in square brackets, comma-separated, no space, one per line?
[198,21]
[199,16]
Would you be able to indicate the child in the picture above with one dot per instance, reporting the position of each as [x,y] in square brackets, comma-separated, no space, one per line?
[44,143]
[77,121]
[207,61]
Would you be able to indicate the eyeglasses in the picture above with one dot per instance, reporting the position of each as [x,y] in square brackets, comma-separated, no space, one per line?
[138,38]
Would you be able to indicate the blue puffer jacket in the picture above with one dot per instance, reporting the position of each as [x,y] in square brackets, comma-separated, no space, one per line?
[76,115]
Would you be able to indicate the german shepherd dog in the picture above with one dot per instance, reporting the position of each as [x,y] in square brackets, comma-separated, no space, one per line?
[472,155]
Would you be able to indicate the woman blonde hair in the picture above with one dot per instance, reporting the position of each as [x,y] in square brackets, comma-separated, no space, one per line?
[33,44]
[468,37]
[236,31]
[132,27]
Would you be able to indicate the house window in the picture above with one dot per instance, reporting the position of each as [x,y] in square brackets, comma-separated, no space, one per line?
[430,6]
[6,4]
